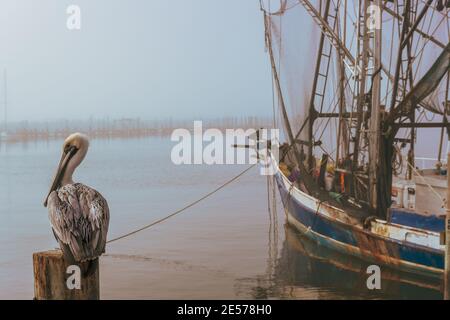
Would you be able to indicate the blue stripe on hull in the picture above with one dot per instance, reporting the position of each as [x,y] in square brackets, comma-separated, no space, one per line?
[357,238]
[408,218]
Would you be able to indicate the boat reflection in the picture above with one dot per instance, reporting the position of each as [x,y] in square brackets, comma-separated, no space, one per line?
[306,270]
[305,264]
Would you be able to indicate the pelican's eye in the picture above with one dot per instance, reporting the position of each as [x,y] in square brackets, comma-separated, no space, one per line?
[68,148]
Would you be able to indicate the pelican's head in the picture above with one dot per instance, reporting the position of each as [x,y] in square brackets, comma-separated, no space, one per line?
[77,140]
[73,152]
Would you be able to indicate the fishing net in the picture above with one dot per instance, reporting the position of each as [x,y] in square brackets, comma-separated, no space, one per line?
[293,37]
[295,40]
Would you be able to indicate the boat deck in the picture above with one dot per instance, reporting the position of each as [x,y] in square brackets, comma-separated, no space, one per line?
[431,189]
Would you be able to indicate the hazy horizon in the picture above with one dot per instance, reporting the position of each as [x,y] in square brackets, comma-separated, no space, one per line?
[148,59]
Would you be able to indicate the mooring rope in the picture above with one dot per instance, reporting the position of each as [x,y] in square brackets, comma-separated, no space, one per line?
[184,208]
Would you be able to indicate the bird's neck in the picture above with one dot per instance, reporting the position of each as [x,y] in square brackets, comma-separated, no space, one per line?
[67,178]
[74,162]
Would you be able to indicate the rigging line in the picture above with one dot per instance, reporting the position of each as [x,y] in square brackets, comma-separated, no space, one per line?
[328,153]
[280,12]
[422,39]
[280,47]
[268,199]
[274,122]
[354,40]
[275,216]
[292,6]
[316,216]
[448,27]
[399,63]
[184,208]
[434,9]
[288,195]
[273,230]
[421,52]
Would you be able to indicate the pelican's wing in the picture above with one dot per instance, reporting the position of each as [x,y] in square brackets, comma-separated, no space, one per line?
[95,206]
[79,217]
[63,220]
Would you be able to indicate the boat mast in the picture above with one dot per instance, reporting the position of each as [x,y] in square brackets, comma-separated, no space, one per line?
[342,137]
[374,124]
[363,56]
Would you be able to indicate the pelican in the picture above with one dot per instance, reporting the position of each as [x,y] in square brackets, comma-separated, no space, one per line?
[79,215]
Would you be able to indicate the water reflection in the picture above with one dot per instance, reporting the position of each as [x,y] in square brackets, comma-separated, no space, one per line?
[305,270]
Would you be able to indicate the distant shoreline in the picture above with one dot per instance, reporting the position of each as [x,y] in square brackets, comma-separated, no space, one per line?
[124,128]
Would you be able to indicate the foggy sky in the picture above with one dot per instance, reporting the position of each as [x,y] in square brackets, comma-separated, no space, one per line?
[152,59]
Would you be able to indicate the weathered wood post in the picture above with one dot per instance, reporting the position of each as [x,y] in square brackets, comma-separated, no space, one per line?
[54,279]
[447,231]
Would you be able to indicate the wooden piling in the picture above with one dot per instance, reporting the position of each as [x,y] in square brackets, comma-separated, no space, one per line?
[51,274]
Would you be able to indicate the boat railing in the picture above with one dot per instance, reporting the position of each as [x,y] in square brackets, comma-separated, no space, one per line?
[427,163]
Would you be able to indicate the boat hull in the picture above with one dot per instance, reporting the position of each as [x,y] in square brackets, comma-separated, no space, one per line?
[307,215]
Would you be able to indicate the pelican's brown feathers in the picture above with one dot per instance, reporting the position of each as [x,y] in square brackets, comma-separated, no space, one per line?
[79,215]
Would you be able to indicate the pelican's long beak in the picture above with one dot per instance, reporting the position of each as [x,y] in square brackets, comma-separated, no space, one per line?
[65,157]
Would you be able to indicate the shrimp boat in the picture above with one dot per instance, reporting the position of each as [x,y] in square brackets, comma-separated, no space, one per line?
[361,91]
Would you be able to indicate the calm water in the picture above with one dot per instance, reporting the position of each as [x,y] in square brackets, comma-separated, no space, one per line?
[225,247]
